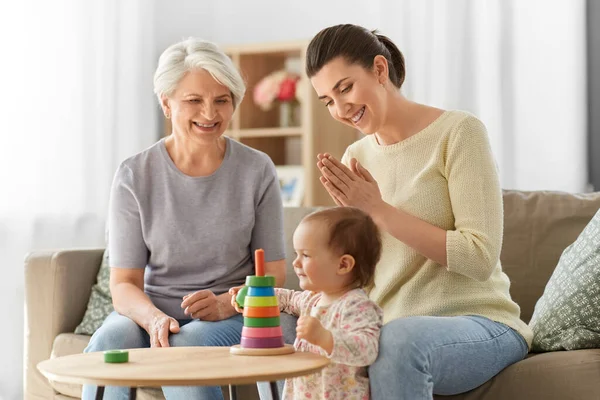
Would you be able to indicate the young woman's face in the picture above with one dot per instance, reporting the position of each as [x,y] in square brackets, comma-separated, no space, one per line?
[353,94]
[200,108]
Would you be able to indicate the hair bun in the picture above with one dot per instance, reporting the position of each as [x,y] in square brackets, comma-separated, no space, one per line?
[396,58]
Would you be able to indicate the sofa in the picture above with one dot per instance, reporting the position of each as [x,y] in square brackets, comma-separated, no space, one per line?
[538,227]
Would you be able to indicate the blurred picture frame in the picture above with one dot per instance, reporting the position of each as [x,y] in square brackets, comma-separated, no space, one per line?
[291,184]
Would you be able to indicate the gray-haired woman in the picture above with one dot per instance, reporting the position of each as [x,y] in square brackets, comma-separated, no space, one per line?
[185,217]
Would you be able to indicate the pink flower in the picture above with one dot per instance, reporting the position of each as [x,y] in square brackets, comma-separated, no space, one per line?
[279,85]
[287,89]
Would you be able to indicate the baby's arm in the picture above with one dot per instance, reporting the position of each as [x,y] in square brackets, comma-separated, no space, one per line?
[356,343]
[292,301]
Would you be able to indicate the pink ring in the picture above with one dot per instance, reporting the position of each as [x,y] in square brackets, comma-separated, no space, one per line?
[261,332]
[262,343]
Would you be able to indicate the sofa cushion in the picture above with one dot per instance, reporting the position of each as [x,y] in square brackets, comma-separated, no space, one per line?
[561,375]
[567,317]
[538,226]
[100,302]
[66,344]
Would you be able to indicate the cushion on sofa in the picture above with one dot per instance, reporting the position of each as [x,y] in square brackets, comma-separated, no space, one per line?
[567,316]
[100,302]
[538,226]
[66,344]
[560,375]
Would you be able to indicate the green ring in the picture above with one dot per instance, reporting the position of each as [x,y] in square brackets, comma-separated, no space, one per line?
[239,299]
[260,301]
[116,356]
[260,281]
[261,322]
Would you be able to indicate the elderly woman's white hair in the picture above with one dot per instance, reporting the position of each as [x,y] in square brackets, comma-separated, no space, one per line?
[194,53]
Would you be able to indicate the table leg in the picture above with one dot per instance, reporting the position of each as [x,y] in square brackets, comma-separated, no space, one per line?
[232,392]
[274,390]
[99,392]
[132,393]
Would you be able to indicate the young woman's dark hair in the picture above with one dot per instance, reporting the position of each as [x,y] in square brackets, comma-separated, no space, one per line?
[356,45]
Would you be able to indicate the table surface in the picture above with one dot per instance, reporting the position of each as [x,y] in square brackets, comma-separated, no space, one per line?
[180,366]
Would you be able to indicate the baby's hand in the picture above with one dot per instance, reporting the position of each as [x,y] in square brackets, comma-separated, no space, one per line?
[233,292]
[310,329]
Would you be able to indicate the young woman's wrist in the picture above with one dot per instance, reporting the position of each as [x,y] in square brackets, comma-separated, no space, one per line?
[381,214]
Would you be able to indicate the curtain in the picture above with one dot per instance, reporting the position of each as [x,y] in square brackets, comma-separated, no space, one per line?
[77,99]
[517,65]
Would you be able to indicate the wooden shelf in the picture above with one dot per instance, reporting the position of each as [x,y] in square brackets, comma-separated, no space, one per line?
[267,132]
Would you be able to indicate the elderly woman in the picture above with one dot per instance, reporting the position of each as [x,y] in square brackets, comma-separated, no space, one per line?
[185,218]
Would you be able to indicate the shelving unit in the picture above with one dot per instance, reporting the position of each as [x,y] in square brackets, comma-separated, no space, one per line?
[317,133]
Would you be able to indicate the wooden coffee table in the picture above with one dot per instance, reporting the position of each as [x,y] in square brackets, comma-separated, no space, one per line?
[181,366]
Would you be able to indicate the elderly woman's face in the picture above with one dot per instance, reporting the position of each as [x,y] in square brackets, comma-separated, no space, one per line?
[200,107]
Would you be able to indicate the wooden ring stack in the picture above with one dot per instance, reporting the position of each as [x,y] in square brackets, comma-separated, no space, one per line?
[261,334]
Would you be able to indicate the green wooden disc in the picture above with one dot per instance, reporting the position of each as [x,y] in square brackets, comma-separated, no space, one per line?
[239,299]
[260,281]
[260,301]
[116,356]
[261,322]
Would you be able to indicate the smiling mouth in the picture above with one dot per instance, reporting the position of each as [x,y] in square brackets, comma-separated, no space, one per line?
[206,126]
[358,116]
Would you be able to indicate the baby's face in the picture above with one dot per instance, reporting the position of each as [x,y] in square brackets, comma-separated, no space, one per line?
[315,264]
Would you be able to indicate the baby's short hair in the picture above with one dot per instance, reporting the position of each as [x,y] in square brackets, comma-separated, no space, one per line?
[353,232]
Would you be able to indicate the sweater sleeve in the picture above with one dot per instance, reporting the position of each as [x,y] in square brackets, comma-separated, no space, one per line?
[357,342]
[126,244]
[293,302]
[473,248]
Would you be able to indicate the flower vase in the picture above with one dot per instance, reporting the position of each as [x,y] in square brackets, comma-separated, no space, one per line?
[286,114]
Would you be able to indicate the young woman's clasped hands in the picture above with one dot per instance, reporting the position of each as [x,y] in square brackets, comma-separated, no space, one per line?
[350,187]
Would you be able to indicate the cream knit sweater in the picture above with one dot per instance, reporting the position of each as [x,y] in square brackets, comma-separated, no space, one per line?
[445,175]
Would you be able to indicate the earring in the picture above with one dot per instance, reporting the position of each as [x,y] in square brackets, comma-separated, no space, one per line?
[168,115]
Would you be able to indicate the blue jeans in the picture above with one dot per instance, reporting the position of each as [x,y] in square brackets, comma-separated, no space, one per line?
[119,332]
[420,356]
[423,356]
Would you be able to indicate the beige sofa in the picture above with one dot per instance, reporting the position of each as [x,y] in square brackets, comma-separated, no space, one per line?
[538,226]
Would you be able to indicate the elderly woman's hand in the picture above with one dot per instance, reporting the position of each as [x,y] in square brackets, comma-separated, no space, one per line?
[352,187]
[159,327]
[207,306]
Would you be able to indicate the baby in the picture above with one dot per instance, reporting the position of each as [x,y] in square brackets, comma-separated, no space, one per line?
[337,250]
